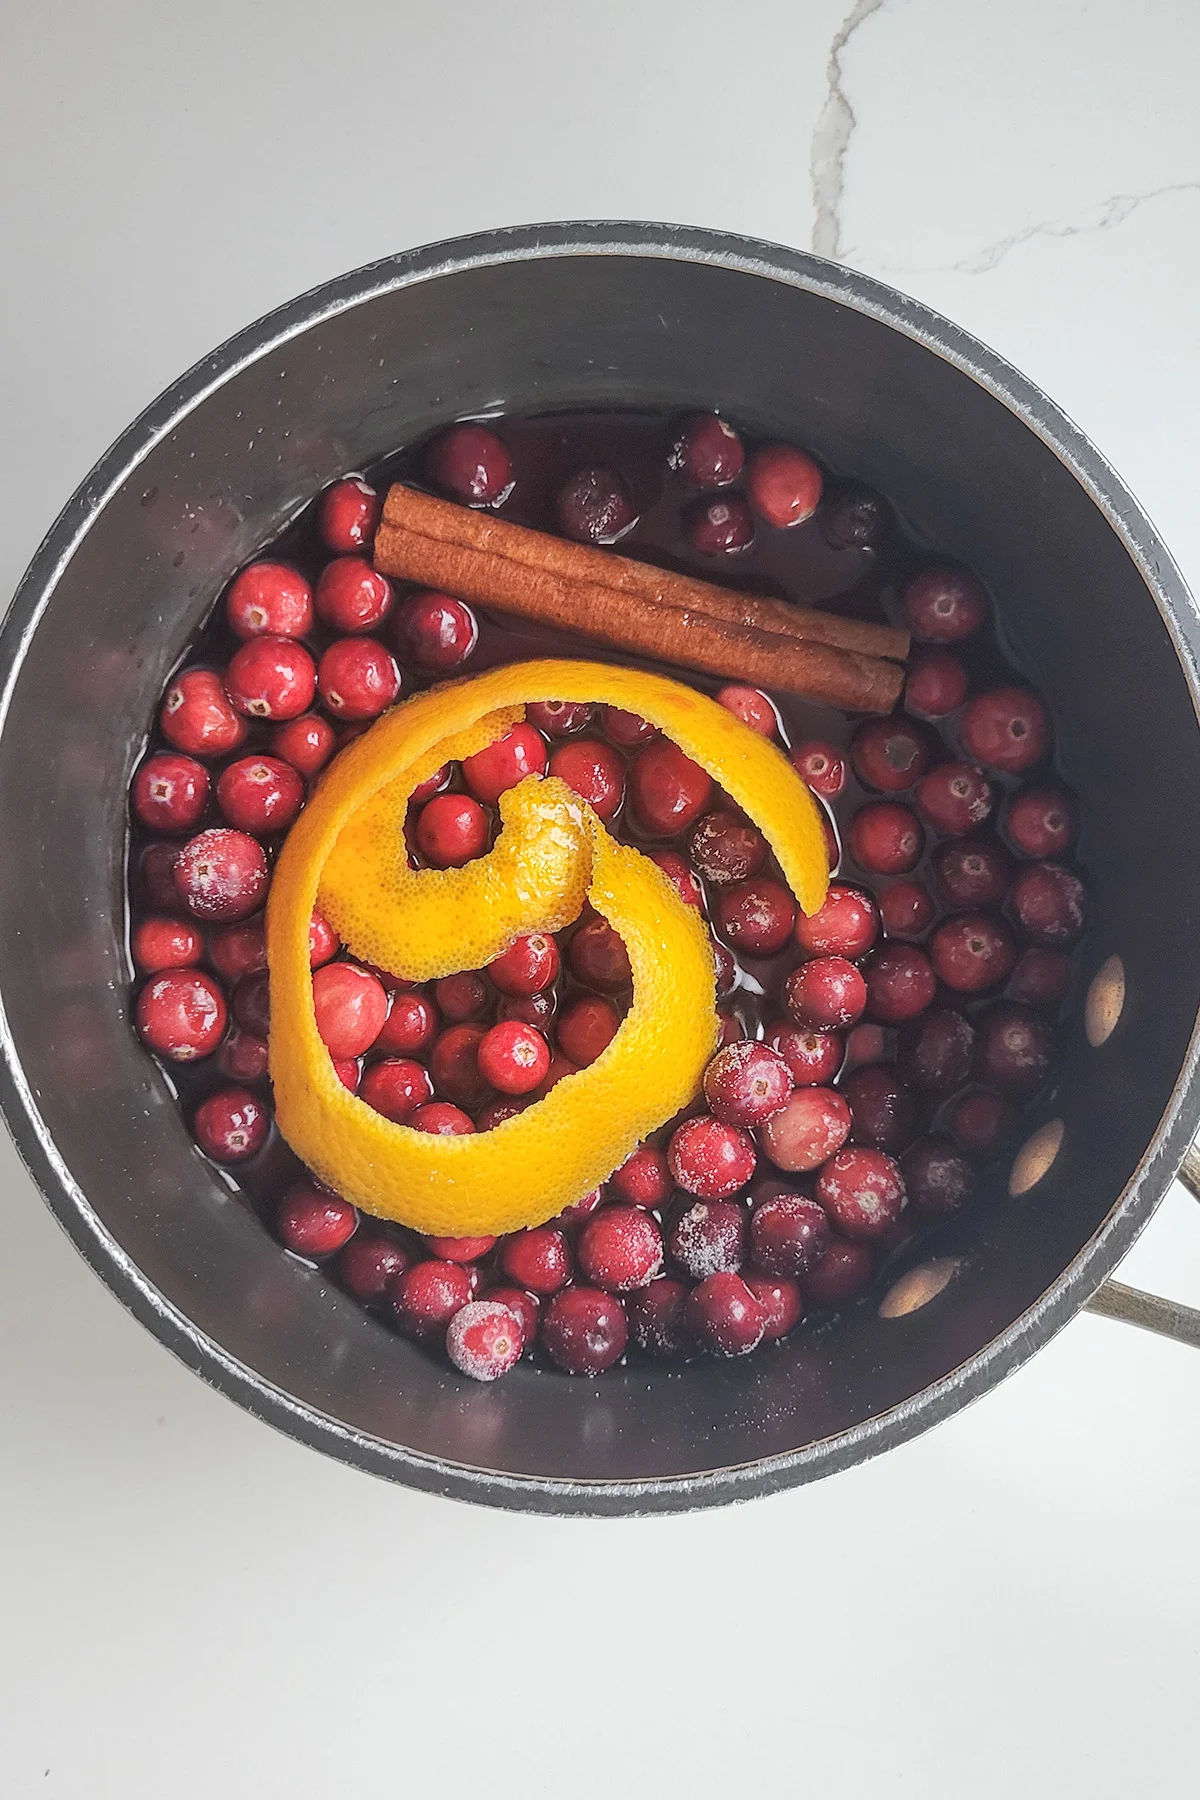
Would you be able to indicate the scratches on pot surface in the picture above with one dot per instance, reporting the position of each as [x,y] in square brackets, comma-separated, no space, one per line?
[831,139]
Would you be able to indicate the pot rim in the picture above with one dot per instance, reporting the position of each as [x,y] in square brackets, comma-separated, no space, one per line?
[1176,1128]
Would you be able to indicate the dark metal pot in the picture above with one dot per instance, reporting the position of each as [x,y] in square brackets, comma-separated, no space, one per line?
[594,316]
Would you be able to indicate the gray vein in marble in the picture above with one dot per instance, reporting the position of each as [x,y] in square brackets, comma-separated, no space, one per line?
[831,139]
[1102,217]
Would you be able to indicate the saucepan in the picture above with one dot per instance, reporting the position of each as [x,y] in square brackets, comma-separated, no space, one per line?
[586,317]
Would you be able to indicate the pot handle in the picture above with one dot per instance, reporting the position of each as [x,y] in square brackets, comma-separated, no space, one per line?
[1167,1317]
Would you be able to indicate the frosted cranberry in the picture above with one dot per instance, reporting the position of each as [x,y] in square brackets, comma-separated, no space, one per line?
[709,1159]
[943,603]
[821,767]
[410,1027]
[725,1315]
[472,463]
[1047,903]
[156,878]
[368,1263]
[269,598]
[239,949]
[592,770]
[935,1051]
[756,916]
[751,706]
[436,631]
[586,1029]
[907,909]
[584,1331]
[395,1086]
[746,1083]
[351,596]
[271,678]
[707,452]
[843,1271]
[196,715]
[865,1044]
[657,1319]
[625,729]
[807,1130]
[252,1004]
[719,524]
[514,1058]
[559,718]
[260,794]
[1042,821]
[452,829]
[937,1178]
[900,984]
[231,1125]
[598,957]
[682,879]
[350,1005]
[725,848]
[1014,1050]
[1040,978]
[972,951]
[854,517]
[524,1308]
[781,1301]
[784,485]
[347,515]
[620,1248]
[441,1118]
[181,1014]
[972,872]
[454,1065]
[492,771]
[644,1178]
[883,1109]
[170,792]
[594,506]
[825,994]
[243,1057]
[847,924]
[1006,729]
[788,1232]
[499,1111]
[889,754]
[484,1340]
[937,683]
[954,798]
[667,790]
[463,997]
[221,875]
[358,678]
[159,944]
[539,1260]
[426,1297]
[814,1057]
[527,966]
[862,1190]
[306,743]
[886,838]
[726,968]
[981,1124]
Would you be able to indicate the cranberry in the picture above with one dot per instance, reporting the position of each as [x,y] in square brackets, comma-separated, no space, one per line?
[348,514]
[530,1009]
[981,1124]
[943,603]
[410,1027]
[900,984]
[368,1263]
[935,1051]
[514,1058]
[437,783]
[350,1005]
[524,1307]
[1047,903]
[156,877]
[854,517]
[1040,978]
[592,770]
[437,632]
[725,848]
[221,875]
[620,1248]
[351,596]
[865,1044]
[463,997]
[239,949]
[862,1190]
[725,1315]
[440,1118]
[559,718]
[196,716]
[1042,821]
[883,1110]
[313,1222]
[598,957]
[707,452]
[529,965]
[586,1030]
[833,850]
[323,941]
[937,1179]
[625,729]
[243,1057]
[538,1259]
[454,1064]
[784,485]
[499,1111]
[730,1030]
[824,994]
[667,790]
[584,1331]
[954,798]
[426,1297]
[972,951]
[725,967]
[788,1232]
[348,1070]
[358,678]
[719,524]
[644,1178]
[452,829]
[752,707]
[842,1272]
[560,1066]
[709,1159]
[847,924]
[252,1004]
[781,1301]
[681,878]
[260,794]
[170,792]
[269,598]
[484,1340]
[937,683]
[306,743]
[471,462]
[821,767]
[271,678]
[972,872]
[814,1057]
[756,916]
[886,838]
[492,771]
[1006,729]
[889,754]
[181,1014]
[1014,1050]
[807,1130]
[595,507]
[395,1086]
[656,1319]
[907,909]
[159,944]
[231,1125]
[746,1083]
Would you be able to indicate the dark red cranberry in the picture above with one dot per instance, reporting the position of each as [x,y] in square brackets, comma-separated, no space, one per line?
[310,1221]
[1042,821]
[462,998]
[410,1027]
[756,916]
[436,631]
[594,771]
[814,1057]
[854,517]
[514,1058]
[586,1029]
[271,678]
[539,1260]
[358,678]
[221,875]
[306,743]
[882,1106]
[843,1271]
[529,965]
[156,877]
[684,880]
[1006,729]
[243,1057]
[719,524]
[437,783]
[789,1232]
[725,967]
[937,1179]
[484,1340]
[441,1118]
[231,1125]
[907,909]
[196,716]
[347,515]
[847,924]
[784,485]
[159,944]
[620,1248]
[584,1331]
[454,1065]
[935,1051]
[709,1159]
[351,596]
[625,729]
[368,1263]
[943,604]
[781,1301]
[900,984]
[826,994]
[499,1111]
[644,1178]
[560,1067]
[452,829]
[492,771]
[350,1005]
[657,1319]
[426,1297]
[1014,1050]
[594,506]
[862,1190]
[954,798]
[260,794]
[472,463]
[598,957]
[707,452]
[972,951]
[981,1124]
[725,1315]
[1047,903]
[269,598]
[560,718]
[746,1083]
[667,790]
[524,1307]
[937,683]
[1040,978]
[530,1009]
[752,707]
[972,872]
[395,1086]
[725,848]
[820,767]
[252,1004]
[886,838]
[865,1044]
[239,949]
[181,1014]
[170,792]
[807,1130]
[889,754]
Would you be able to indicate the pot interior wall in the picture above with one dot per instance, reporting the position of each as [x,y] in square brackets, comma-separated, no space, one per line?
[553,333]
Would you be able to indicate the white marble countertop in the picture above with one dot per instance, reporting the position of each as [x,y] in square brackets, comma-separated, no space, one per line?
[194,1606]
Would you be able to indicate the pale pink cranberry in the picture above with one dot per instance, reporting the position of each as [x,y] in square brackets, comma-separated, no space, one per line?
[907,909]
[725,1315]
[756,916]
[854,517]
[310,1221]
[502,764]
[1040,978]
[170,792]
[937,1179]
[684,880]
[260,794]
[644,1179]
[846,924]
[243,1057]
[1042,821]
[159,944]
[594,506]
[935,1051]
[1047,903]
[586,1029]
[436,631]
[821,767]
[982,1124]
[805,1132]
[889,754]
[843,1271]
[271,678]
[269,598]
[657,1319]
[484,1340]
[196,716]
[358,678]
[900,984]
[350,1005]
[620,1248]
[231,1125]
[943,603]
[707,1236]
[598,957]
[814,1057]
[221,875]
[368,1263]
[781,1301]
[886,838]
[882,1107]
[472,463]
[559,718]
[462,998]
[524,1307]
[937,683]
[972,951]
[181,1015]
[972,872]
[347,515]
[725,848]
[584,1331]
[954,798]
[707,451]
[746,1083]
[306,743]
[454,1065]
[667,790]
[625,729]
[452,830]
[594,771]
[719,525]
[351,596]
[395,1087]
[709,1159]
[529,965]
[410,1027]
[514,1058]
[783,485]
[1014,1050]
[239,949]
[539,1259]
[752,707]
[826,994]
[862,1190]
[426,1297]
[1006,729]
[441,1118]
[788,1232]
